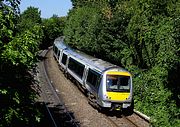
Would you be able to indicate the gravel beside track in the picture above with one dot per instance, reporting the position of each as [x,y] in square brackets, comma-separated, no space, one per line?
[50,104]
[76,102]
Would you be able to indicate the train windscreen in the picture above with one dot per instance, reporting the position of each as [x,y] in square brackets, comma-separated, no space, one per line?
[118,83]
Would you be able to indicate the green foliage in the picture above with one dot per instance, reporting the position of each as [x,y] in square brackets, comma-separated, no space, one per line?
[21,50]
[17,59]
[91,34]
[154,99]
[142,36]
[52,28]
[16,108]
[80,31]
[8,12]
[29,18]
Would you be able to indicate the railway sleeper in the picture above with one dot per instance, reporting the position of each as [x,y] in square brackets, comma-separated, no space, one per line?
[60,106]
[72,123]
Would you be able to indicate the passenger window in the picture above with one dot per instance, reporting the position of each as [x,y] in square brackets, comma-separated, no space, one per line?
[93,78]
[64,58]
[76,67]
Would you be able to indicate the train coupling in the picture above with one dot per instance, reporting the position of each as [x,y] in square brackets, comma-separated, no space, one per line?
[116,107]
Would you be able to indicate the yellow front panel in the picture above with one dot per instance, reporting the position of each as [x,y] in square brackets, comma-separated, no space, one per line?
[118,73]
[117,96]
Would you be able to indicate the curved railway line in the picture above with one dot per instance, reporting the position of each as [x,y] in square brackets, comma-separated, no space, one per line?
[53,100]
[50,94]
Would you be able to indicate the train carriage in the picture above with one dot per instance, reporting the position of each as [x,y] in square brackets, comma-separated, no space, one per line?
[107,85]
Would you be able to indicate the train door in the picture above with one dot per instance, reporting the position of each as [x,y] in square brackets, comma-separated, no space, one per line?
[93,81]
[60,56]
[85,75]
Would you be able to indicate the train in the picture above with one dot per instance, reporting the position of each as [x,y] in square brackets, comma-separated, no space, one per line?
[107,86]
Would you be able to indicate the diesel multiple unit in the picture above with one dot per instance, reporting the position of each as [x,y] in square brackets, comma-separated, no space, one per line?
[108,86]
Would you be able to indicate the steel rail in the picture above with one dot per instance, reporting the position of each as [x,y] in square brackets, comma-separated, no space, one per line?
[72,120]
[130,121]
[49,112]
[111,121]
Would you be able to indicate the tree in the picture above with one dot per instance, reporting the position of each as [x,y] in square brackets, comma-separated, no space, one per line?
[81,32]
[140,35]
[53,28]
[8,13]
[29,18]
[17,59]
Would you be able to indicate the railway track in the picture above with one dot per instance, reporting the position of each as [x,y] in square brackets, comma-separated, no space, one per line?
[120,120]
[119,123]
[130,121]
[55,109]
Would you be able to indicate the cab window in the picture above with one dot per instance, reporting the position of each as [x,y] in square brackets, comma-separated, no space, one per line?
[118,83]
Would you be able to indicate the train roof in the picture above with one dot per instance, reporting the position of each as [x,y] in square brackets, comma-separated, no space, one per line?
[99,64]
[59,42]
[93,62]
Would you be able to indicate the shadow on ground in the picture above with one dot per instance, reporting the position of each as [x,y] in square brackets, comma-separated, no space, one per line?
[62,118]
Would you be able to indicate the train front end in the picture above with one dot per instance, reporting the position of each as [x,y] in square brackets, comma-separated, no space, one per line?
[117,90]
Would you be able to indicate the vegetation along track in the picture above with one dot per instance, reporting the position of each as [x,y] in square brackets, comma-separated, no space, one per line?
[77,103]
[55,109]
